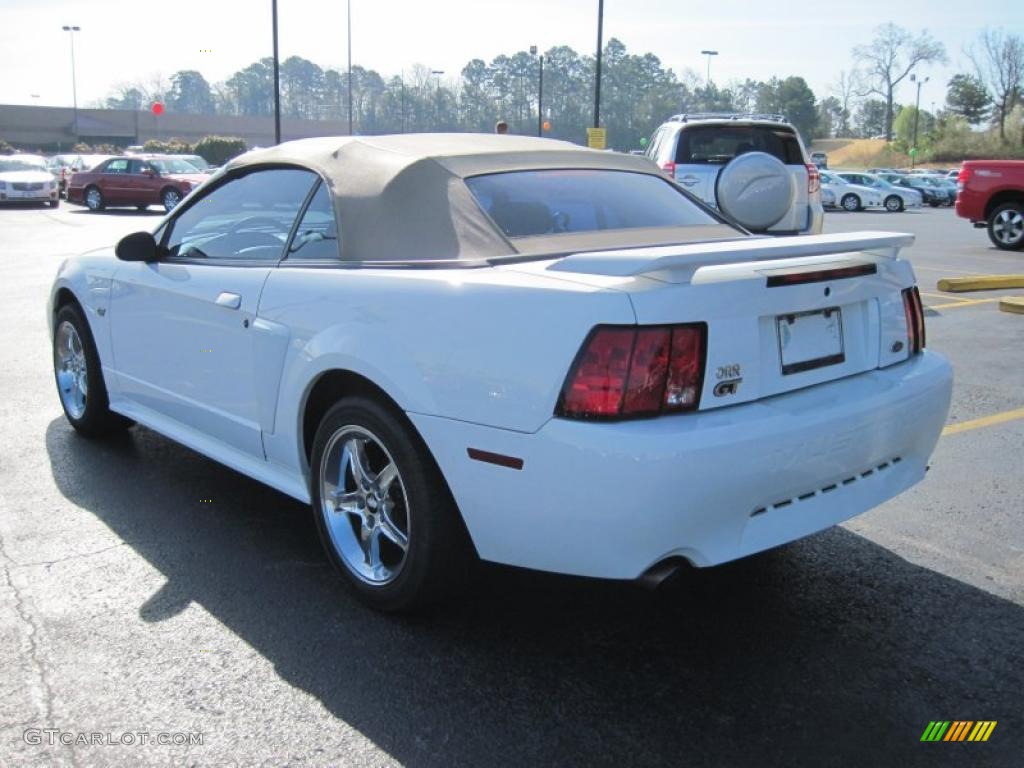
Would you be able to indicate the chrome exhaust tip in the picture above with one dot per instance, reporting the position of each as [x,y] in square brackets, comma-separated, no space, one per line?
[661,572]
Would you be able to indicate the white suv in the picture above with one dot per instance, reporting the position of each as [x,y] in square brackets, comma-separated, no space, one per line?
[753,168]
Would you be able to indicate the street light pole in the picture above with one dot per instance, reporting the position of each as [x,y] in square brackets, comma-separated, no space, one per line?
[349,67]
[709,54]
[74,85]
[277,78]
[540,91]
[917,115]
[597,76]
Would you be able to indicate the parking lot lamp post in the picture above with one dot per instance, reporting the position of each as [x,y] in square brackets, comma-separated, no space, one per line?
[74,86]
[709,54]
[540,91]
[597,74]
[277,78]
[917,115]
[349,67]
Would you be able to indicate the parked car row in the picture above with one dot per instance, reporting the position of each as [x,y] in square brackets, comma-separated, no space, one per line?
[99,181]
[885,188]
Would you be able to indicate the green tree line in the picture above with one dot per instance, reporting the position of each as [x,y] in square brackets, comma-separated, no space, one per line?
[637,94]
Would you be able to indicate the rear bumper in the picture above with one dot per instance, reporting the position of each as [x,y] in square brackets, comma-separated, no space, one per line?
[612,499]
[815,219]
[967,207]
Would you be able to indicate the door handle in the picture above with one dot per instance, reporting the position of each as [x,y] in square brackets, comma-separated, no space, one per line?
[229,300]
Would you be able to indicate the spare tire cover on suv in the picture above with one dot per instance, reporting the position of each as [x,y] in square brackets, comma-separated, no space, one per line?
[755,189]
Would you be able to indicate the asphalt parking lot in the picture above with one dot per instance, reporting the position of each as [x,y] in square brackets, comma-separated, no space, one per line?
[149,590]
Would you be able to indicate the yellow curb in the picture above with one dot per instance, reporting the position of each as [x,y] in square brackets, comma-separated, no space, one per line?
[980,283]
[1012,304]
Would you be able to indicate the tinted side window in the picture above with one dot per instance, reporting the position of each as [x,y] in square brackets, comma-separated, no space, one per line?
[317,235]
[246,218]
[718,144]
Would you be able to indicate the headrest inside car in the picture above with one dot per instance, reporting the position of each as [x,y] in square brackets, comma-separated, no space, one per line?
[522,219]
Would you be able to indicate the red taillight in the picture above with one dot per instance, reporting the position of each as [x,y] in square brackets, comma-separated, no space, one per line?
[636,371]
[647,371]
[813,179]
[914,311]
[669,168]
[962,178]
[686,369]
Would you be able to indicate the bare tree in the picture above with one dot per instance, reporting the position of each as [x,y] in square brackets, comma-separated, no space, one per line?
[1000,65]
[848,89]
[890,57]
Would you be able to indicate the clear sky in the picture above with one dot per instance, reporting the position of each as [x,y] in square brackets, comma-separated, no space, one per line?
[123,42]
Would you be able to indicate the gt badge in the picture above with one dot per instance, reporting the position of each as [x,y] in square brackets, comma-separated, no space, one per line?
[727,387]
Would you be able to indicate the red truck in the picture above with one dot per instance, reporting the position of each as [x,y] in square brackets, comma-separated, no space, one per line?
[991,194]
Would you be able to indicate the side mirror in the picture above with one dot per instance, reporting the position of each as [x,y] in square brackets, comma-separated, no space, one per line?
[138,246]
[149,172]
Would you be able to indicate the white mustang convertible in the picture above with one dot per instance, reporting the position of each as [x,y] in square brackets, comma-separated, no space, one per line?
[455,346]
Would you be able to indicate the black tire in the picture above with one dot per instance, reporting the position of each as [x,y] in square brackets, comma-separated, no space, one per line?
[169,198]
[850,202]
[142,207]
[439,553]
[934,203]
[1006,227]
[54,203]
[93,198]
[97,420]
[894,203]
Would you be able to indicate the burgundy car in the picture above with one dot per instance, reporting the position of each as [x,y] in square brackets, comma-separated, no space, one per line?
[138,180]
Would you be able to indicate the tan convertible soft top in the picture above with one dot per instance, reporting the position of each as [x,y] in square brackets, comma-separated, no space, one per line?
[402,198]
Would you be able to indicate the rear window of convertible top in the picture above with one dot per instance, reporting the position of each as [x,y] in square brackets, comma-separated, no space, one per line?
[526,203]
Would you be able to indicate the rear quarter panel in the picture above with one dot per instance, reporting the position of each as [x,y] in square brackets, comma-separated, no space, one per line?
[487,346]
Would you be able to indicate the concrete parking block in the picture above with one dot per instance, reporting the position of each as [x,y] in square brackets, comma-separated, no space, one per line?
[980,283]
[1013,304]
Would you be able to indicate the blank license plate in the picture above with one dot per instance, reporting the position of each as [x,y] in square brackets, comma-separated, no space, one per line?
[809,340]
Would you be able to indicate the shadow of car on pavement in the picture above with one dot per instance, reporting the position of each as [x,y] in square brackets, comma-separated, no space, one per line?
[832,651]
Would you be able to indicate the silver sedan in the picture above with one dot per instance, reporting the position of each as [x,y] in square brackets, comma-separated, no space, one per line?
[894,198]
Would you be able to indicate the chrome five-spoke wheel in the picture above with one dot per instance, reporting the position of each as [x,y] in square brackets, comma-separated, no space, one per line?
[72,374]
[364,505]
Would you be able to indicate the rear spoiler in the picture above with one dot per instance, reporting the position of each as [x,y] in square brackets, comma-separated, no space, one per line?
[684,260]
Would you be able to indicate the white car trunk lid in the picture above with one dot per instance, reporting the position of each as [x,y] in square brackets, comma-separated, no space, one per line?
[782,314]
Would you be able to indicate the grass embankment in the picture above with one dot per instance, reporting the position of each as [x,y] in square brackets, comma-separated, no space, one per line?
[862,153]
